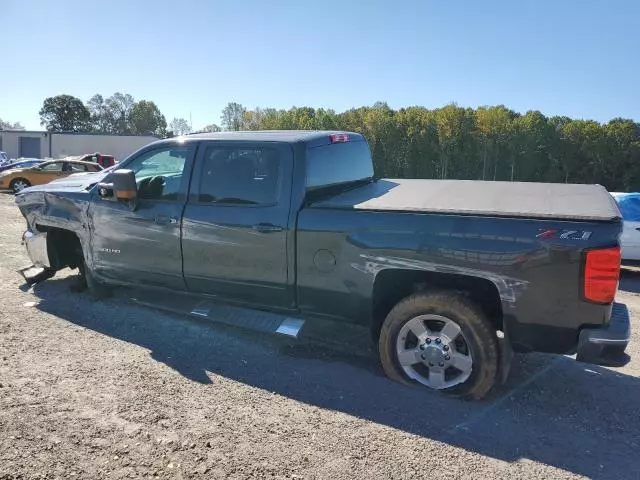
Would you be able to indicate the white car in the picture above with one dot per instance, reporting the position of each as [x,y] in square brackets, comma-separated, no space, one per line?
[629,205]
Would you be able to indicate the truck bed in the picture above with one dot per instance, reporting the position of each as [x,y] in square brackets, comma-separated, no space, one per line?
[472,197]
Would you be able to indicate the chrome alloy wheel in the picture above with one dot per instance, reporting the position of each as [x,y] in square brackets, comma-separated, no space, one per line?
[432,350]
[19,185]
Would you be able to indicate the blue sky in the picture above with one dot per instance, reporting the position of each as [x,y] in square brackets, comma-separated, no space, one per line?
[578,58]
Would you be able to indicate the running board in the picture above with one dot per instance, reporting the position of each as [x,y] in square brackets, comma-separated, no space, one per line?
[237,316]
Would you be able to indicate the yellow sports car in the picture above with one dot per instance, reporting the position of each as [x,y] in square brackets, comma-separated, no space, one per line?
[19,178]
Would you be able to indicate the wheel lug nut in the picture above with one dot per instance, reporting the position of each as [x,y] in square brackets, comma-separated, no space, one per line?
[441,364]
[430,364]
[422,347]
[445,347]
[428,341]
[447,357]
[438,340]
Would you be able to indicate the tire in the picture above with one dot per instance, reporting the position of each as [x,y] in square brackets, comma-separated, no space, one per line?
[475,347]
[19,184]
[97,290]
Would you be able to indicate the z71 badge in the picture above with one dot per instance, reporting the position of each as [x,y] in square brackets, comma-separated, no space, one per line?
[564,234]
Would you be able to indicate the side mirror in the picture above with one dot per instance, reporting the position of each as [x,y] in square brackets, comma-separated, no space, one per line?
[122,187]
[124,184]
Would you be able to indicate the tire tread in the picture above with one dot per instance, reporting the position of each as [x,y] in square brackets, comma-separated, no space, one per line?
[482,334]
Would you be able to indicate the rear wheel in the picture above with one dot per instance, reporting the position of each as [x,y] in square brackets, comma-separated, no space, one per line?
[19,184]
[442,341]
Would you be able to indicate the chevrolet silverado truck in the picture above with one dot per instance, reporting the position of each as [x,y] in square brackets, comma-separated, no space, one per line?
[451,276]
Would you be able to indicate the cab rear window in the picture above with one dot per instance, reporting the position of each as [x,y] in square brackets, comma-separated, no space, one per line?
[338,163]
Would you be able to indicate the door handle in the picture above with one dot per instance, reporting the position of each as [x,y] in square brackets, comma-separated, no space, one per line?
[267,228]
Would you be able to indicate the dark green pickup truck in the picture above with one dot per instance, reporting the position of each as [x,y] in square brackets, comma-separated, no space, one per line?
[450,276]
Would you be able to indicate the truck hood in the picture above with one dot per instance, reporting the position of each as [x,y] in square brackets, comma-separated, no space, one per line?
[474,197]
[74,182]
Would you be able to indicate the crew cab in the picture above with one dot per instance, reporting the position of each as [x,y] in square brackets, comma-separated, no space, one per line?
[450,276]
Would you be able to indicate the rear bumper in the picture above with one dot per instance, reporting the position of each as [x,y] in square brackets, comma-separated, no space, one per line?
[600,345]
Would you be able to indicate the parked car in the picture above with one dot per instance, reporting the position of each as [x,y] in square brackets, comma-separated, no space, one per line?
[450,276]
[17,179]
[103,160]
[20,164]
[629,204]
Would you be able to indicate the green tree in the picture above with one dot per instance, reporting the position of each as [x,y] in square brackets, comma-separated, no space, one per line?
[10,126]
[420,137]
[494,130]
[455,135]
[145,117]
[491,143]
[233,116]
[531,145]
[64,113]
[211,128]
[179,126]
[99,119]
[118,109]
[623,143]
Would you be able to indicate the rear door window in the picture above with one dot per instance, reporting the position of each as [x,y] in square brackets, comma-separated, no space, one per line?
[241,176]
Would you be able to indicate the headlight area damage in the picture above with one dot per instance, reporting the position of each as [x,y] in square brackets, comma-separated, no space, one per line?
[56,231]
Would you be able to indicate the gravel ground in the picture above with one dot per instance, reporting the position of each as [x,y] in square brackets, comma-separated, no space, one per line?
[114,390]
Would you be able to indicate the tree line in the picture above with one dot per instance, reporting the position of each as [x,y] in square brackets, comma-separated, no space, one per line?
[120,113]
[4,125]
[487,143]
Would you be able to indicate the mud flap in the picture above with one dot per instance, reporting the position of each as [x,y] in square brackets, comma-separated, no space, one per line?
[506,357]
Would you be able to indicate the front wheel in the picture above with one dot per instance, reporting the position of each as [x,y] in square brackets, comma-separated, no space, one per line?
[442,341]
[97,290]
[19,184]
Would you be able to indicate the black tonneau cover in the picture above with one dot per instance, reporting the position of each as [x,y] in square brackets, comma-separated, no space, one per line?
[473,197]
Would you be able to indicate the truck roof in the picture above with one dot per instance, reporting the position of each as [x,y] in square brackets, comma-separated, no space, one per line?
[312,137]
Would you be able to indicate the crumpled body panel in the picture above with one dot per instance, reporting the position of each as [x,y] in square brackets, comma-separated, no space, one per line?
[65,210]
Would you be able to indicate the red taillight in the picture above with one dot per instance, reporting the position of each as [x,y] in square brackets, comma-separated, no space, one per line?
[338,138]
[601,273]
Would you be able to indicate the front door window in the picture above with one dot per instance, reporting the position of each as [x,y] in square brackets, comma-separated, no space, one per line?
[52,167]
[159,173]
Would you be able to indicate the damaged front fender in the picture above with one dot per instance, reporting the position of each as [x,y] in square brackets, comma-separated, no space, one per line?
[54,219]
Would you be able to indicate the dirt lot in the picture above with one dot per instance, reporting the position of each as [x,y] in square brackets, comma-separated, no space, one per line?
[114,390]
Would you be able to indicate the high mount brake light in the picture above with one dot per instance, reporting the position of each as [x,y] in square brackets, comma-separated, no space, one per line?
[339,138]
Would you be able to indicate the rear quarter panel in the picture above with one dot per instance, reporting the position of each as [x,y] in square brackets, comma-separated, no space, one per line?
[537,274]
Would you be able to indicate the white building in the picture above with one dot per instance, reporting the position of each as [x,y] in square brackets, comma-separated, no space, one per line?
[39,144]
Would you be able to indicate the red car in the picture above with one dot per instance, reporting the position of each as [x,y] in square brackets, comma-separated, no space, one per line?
[103,160]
